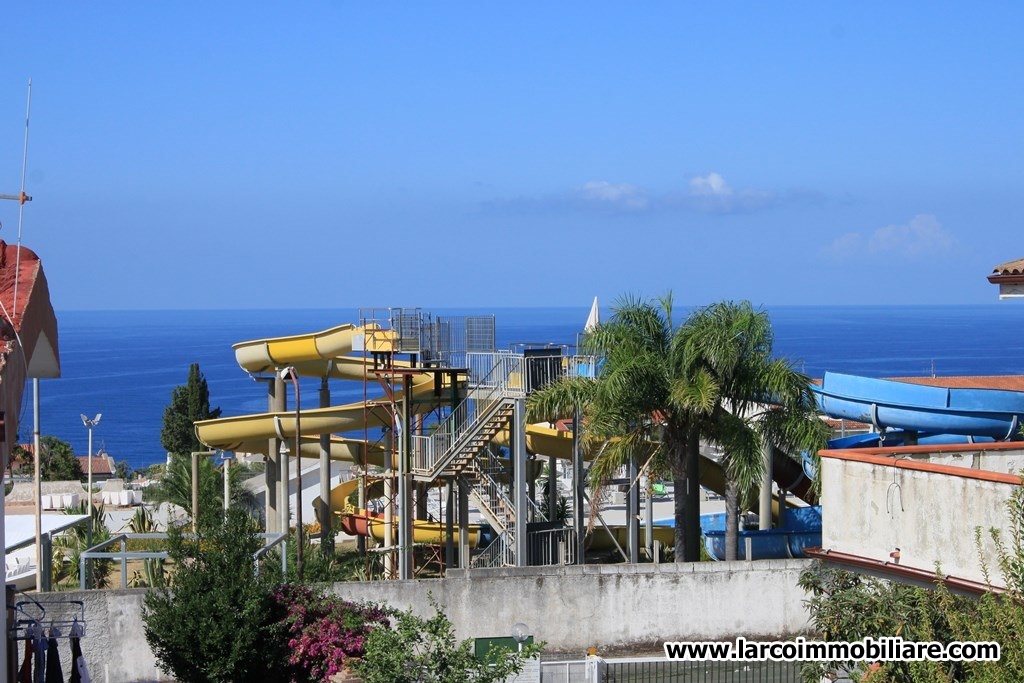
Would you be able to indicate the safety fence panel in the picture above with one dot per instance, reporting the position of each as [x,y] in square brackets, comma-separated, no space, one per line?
[670,671]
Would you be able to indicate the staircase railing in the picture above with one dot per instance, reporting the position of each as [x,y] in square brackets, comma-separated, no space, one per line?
[497,554]
[489,493]
[493,377]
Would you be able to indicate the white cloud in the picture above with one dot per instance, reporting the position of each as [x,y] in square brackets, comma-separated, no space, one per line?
[603,192]
[711,193]
[922,235]
[711,184]
[708,193]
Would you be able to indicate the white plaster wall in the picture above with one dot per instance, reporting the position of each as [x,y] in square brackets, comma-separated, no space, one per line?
[1002,460]
[612,606]
[572,608]
[869,510]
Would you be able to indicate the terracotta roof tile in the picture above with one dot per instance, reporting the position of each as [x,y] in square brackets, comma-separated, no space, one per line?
[1010,268]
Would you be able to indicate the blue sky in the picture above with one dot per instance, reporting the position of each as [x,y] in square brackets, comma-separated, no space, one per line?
[344,154]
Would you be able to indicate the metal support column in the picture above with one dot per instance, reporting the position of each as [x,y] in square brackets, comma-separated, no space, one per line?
[389,506]
[405,511]
[518,431]
[764,510]
[577,488]
[552,489]
[648,514]
[272,470]
[449,525]
[325,477]
[633,513]
[283,476]
[463,524]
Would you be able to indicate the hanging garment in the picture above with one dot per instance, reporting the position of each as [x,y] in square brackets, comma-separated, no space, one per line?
[39,646]
[25,673]
[82,669]
[54,673]
[76,654]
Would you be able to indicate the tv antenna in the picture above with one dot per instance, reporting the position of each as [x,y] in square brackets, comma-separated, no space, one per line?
[21,198]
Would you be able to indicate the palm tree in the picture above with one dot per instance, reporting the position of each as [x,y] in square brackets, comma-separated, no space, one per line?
[642,391]
[759,402]
[176,487]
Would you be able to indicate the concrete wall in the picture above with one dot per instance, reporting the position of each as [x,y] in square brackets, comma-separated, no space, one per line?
[610,606]
[871,508]
[571,608]
[114,645]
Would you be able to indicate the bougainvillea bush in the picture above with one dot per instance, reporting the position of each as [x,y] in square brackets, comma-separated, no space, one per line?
[324,632]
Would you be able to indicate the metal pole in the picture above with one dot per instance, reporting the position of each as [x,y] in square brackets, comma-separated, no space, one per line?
[284,478]
[764,510]
[632,512]
[298,473]
[577,488]
[90,465]
[39,486]
[404,494]
[325,476]
[648,515]
[518,431]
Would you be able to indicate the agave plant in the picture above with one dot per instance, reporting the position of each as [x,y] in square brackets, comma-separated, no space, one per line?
[69,546]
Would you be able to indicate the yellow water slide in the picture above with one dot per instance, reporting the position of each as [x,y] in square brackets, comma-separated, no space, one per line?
[318,354]
[544,440]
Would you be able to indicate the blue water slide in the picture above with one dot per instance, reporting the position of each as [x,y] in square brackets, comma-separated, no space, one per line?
[886,404]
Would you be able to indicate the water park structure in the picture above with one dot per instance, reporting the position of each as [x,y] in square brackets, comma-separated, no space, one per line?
[443,411]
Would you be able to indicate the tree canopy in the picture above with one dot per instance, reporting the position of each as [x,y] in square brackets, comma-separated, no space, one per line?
[663,387]
[189,403]
[57,460]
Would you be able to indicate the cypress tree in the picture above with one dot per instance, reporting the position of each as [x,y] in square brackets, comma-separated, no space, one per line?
[189,403]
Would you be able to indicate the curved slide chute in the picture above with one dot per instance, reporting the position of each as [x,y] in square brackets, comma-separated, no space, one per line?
[888,404]
[318,354]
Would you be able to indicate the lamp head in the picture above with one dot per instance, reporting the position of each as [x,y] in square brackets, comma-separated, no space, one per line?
[520,632]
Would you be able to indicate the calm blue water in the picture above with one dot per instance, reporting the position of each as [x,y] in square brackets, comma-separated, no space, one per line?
[126,364]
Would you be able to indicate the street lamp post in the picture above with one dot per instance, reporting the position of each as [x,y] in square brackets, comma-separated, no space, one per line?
[89,424]
[285,373]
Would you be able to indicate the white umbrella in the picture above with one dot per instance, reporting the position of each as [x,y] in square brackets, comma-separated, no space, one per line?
[594,319]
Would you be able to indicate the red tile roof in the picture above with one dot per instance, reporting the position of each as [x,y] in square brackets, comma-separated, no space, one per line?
[1011,272]
[29,313]
[101,464]
[1010,268]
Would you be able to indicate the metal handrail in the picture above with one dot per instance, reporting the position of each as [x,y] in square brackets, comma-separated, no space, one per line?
[503,379]
[498,553]
[281,539]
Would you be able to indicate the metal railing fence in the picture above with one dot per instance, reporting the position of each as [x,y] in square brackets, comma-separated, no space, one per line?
[671,671]
[660,670]
[123,555]
[552,546]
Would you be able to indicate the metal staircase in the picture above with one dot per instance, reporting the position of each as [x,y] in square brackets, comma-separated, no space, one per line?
[458,446]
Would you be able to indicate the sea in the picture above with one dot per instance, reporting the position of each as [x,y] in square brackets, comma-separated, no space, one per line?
[124,365]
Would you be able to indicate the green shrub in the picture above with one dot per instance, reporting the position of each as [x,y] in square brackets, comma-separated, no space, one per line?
[216,622]
[417,650]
